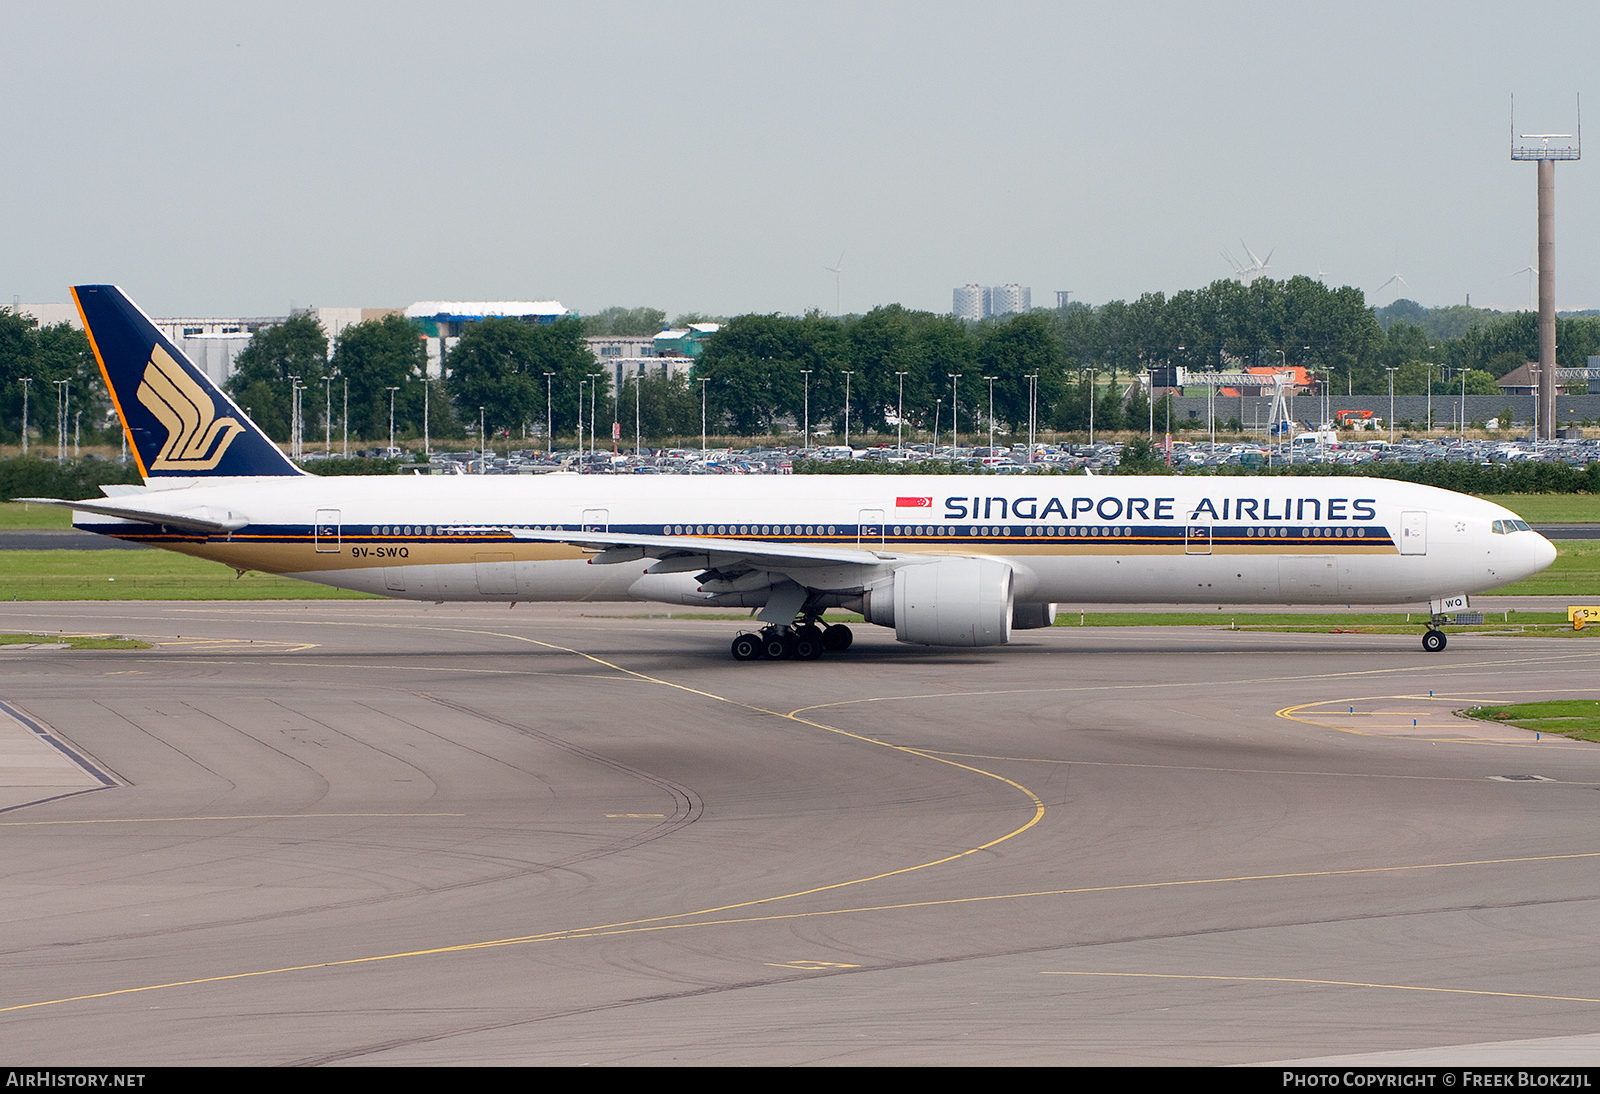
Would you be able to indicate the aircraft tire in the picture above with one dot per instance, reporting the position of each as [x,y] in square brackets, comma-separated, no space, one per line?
[807,644]
[837,638]
[1433,641]
[746,647]
[777,645]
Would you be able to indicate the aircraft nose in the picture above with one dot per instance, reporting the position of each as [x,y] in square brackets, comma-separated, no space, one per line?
[1538,554]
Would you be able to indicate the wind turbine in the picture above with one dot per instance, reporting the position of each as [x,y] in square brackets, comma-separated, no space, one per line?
[837,270]
[1248,272]
[1397,281]
[1532,270]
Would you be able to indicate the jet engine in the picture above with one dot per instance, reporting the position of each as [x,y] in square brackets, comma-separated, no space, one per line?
[1032,616]
[951,602]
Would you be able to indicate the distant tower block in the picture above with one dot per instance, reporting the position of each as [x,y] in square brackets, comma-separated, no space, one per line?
[971,302]
[1063,297]
[1550,147]
[1010,300]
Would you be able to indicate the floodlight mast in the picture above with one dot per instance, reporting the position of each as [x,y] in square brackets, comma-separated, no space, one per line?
[1546,156]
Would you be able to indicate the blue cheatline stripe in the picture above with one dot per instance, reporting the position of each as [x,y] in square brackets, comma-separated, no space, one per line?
[1323,538]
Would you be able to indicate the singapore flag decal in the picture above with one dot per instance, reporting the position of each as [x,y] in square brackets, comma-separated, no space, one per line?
[913,503]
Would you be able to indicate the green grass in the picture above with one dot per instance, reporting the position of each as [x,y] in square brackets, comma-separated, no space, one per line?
[1551,508]
[76,641]
[18,515]
[1575,718]
[144,575]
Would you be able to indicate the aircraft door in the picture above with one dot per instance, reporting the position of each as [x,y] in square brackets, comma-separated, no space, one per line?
[1196,538]
[325,532]
[1414,533]
[597,520]
[869,528]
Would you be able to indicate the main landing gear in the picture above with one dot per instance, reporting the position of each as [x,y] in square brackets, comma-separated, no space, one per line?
[807,642]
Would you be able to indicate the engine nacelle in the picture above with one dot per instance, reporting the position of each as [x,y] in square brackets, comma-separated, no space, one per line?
[951,602]
[1029,617]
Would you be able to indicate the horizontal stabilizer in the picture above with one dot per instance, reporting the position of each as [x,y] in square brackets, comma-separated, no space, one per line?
[187,521]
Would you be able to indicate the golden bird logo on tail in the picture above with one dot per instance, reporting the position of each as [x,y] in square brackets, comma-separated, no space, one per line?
[196,437]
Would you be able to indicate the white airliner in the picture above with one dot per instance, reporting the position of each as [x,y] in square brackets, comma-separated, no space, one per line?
[944,560]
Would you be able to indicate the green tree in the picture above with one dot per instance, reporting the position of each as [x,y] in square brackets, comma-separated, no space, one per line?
[296,347]
[376,355]
[47,355]
[1140,457]
[1012,351]
[625,322]
[753,371]
[500,365]
[666,406]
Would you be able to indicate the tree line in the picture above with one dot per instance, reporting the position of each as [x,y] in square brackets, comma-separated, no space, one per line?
[57,364]
[769,374]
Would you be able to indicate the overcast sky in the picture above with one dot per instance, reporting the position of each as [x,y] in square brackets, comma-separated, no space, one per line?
[219,159]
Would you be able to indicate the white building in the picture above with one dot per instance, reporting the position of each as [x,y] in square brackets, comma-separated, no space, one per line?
[1010,300]
[971,302]
[605,347]
[980,301]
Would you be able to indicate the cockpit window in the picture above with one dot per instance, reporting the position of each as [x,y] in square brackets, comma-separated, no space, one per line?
[1506,527]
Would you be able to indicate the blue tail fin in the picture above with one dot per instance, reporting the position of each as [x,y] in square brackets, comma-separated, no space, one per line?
[179,423]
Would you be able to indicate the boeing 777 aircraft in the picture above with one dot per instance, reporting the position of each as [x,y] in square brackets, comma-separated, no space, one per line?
[944,560]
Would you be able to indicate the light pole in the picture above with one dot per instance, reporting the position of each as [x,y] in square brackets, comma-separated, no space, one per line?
[1152,401]
[77,449]
[1464,372]
[955,415]
[704,380]
[345,417]
[392,390]
[900,417]
[1033,410]
[847,376]
[1391,372]
[427,398]
[327,415]
[26,380]
[594,382]
[1089,372]
[806,373]
[63,395]
[549,416]
[483,442]
[991,380]
[938,405]
[638,434]
[294,416]
[1211,415]
[580,418]
[1430,395]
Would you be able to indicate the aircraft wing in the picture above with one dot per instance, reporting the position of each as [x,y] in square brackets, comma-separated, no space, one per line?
[678,554]
[193,522]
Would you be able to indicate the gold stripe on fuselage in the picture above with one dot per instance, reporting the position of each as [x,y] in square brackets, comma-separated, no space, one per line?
[286,555]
